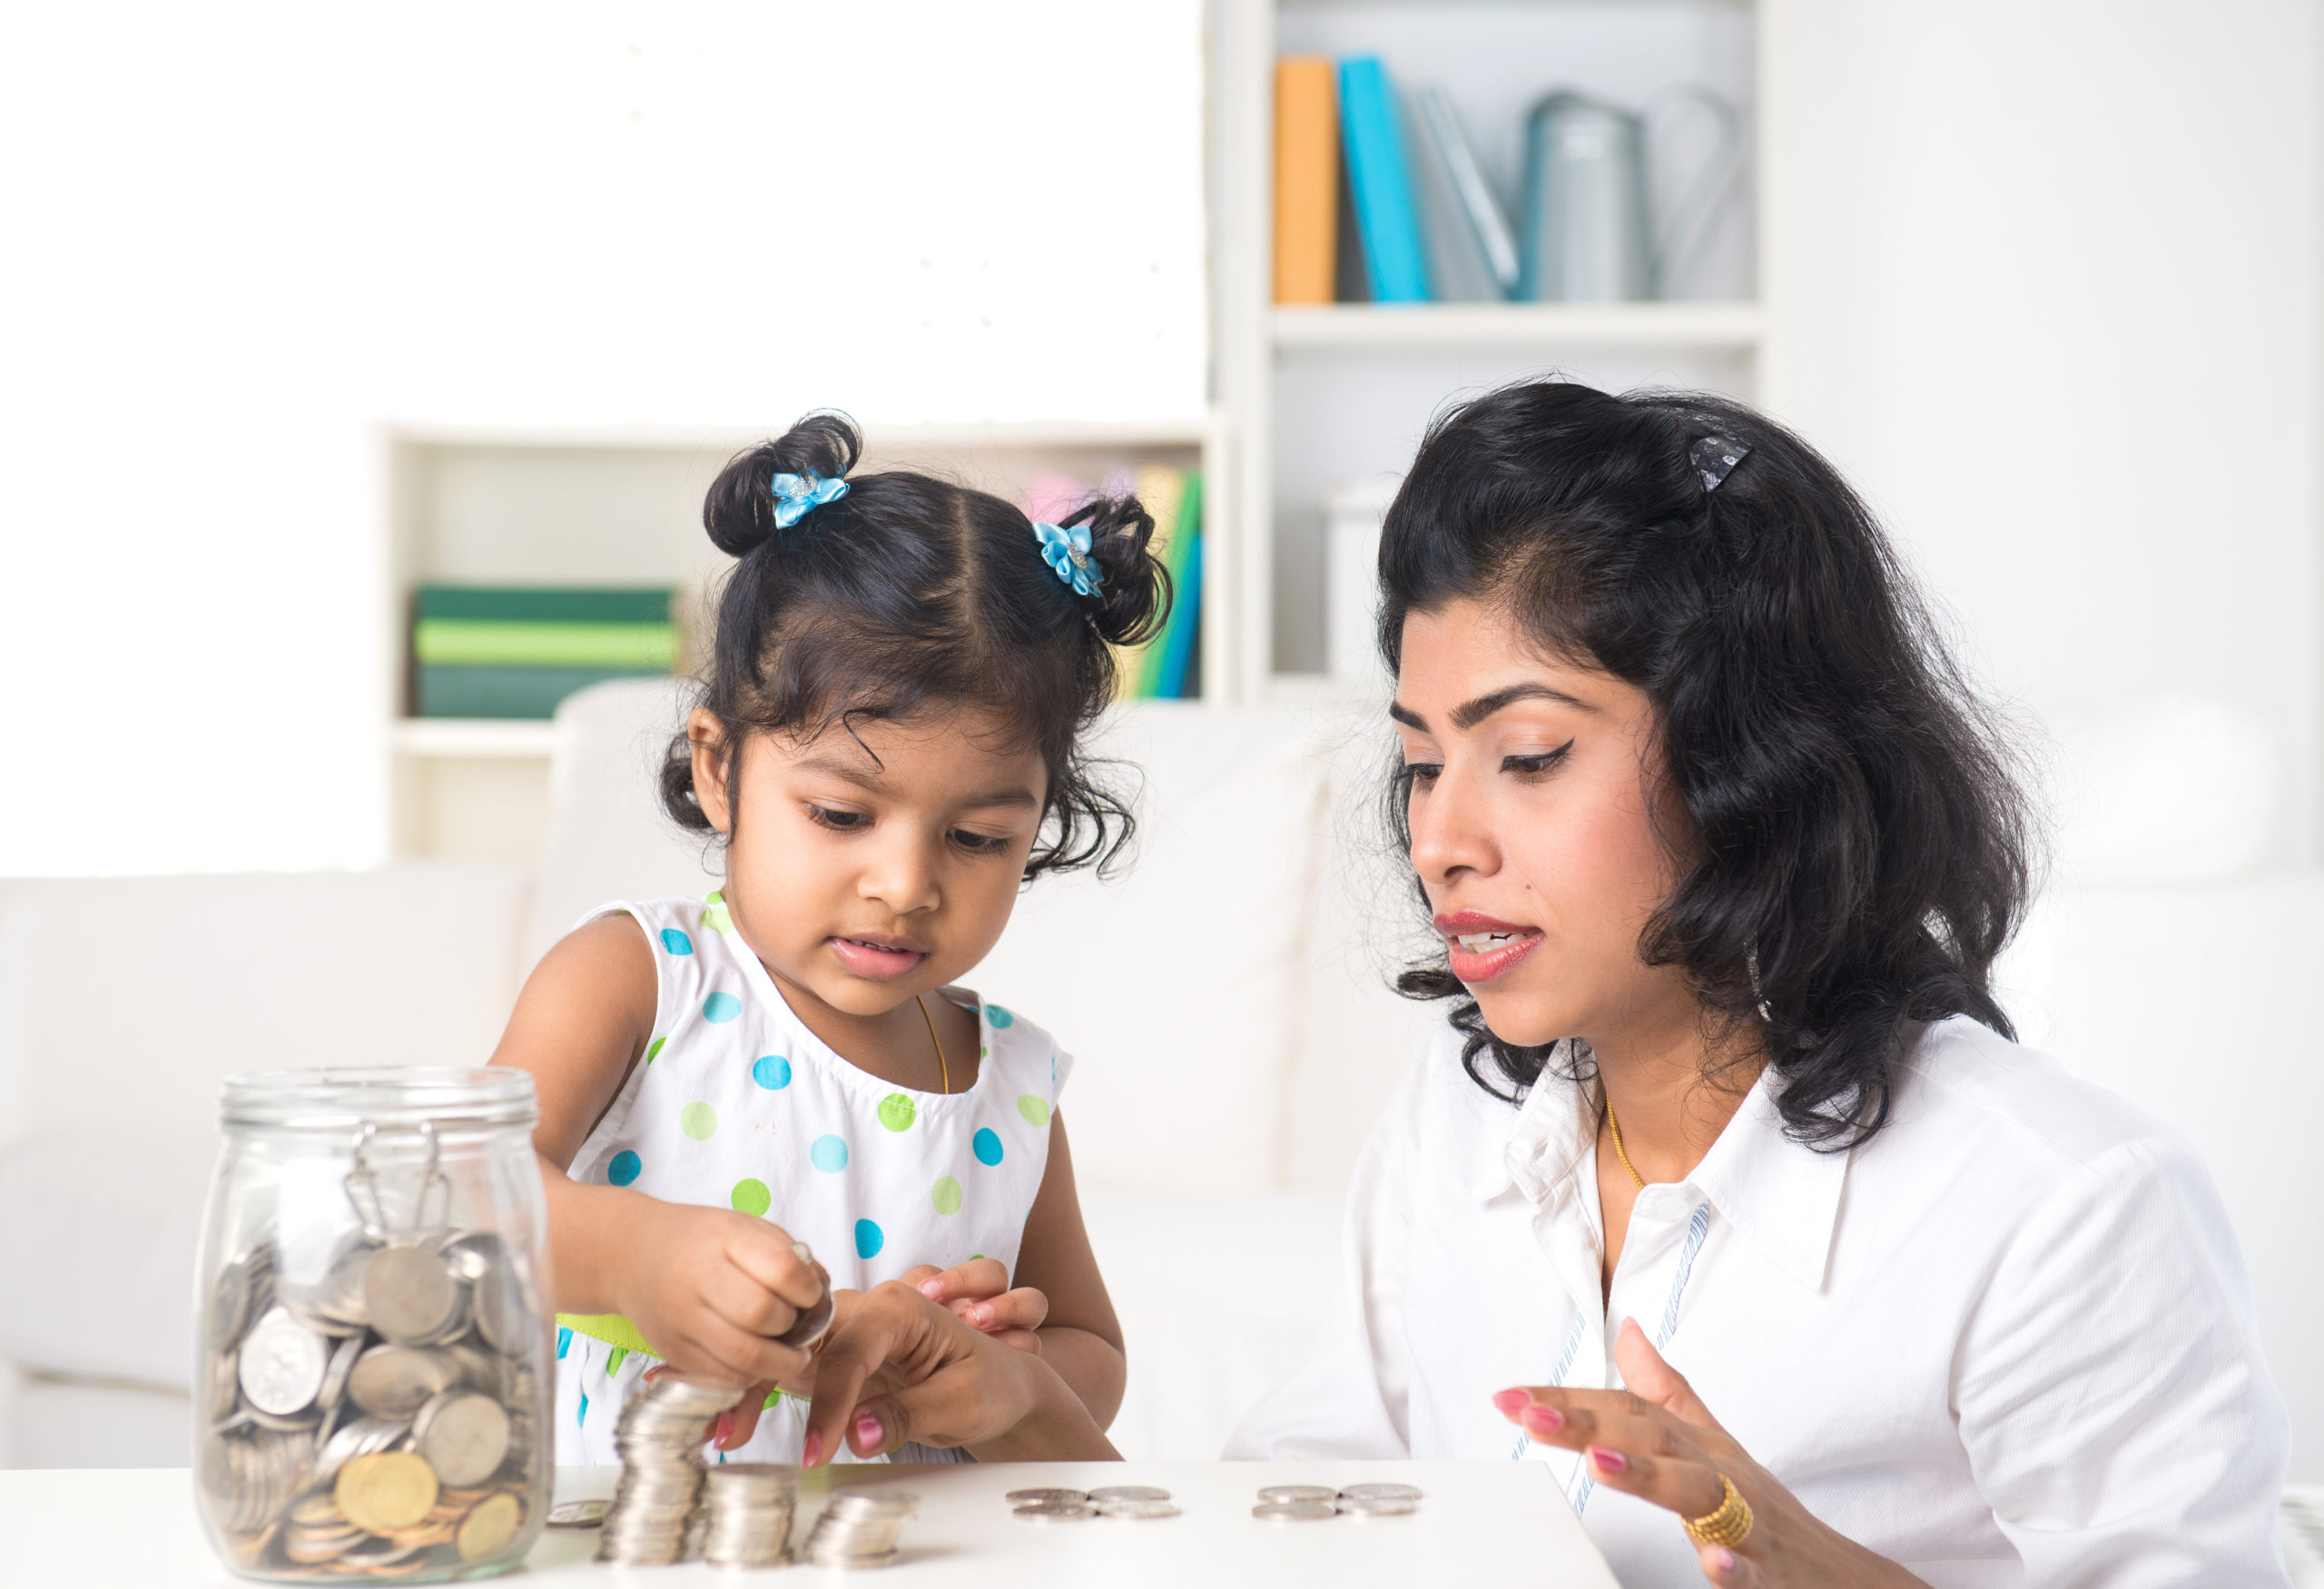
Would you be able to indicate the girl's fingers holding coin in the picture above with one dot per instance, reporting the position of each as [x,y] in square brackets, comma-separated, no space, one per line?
[743,1300]
[767,1254]
[739,1355]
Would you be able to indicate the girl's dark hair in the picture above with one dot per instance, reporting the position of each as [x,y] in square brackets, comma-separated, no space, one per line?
[910,593]
[1854,816]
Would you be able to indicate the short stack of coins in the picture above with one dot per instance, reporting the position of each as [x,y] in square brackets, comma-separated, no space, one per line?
[1321,1503]
[380,1421]
[860,1528]
[746,1522]
[659,1437]
[1141,1502]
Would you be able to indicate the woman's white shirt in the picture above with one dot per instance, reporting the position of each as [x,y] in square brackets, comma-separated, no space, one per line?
[2007,1341]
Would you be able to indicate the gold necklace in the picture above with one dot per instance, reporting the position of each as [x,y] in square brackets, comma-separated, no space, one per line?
[1615,1126]
[946,1071]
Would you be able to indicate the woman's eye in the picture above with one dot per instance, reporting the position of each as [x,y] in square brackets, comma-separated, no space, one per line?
[844,822]
[1527,766]
[1420,773]
[978,844]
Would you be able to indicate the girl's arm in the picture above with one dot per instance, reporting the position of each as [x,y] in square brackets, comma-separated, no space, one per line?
[707,1286]
[1080,1338]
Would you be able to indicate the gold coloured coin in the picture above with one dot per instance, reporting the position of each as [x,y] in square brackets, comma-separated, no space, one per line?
[386,1491]
[487,1530]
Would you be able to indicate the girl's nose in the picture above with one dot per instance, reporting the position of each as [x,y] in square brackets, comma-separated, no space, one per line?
[902,877]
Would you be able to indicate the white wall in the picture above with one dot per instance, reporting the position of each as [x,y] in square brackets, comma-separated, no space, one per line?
[242,238]
[2052,289]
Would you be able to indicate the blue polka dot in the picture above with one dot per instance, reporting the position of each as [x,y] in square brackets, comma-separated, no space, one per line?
[581,1414]
[869,1238]
[829,1155]
[675,941]
[771,1072]
[987,1146]
[564,1342]
[720,1008]
[1002,1019]
[624,1169]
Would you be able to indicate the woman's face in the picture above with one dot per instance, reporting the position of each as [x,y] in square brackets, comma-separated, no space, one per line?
[1531,791]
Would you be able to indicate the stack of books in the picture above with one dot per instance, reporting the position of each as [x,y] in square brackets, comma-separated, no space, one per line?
[501,651]
[1170,666]
[1425,229]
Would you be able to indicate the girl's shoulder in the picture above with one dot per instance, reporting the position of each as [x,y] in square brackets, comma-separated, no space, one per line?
[1014,1049]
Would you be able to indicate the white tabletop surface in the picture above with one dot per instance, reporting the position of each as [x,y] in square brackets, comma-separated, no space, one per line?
[118,1527]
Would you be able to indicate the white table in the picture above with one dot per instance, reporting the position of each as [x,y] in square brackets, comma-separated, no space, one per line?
[1481,1522]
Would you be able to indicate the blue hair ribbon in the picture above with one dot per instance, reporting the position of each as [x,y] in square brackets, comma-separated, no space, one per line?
[1068,552]
[795,496]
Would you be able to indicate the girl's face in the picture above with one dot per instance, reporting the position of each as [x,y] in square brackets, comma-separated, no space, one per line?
[866,867]
[1532,810]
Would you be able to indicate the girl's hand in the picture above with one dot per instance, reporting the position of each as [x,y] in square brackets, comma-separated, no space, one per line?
[711,1288]
[1659,1442]
[900,1366]
[978,1292]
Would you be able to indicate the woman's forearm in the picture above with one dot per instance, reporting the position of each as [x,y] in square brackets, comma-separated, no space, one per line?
[1091,1366]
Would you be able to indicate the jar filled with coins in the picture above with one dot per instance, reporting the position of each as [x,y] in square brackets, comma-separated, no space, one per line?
[372,1377]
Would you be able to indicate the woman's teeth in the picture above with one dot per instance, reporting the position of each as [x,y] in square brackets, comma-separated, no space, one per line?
[1478,943]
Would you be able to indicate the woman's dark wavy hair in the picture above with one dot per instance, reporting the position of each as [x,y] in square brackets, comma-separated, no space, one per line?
[909,594]
[1854,814]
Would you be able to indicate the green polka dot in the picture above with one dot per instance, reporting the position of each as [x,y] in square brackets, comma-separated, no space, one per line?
[1034,1108]
[752,1198]
[697,1121]
[772,1397]
[655,1048]
[947,1194]
[715,917]
[897,1112]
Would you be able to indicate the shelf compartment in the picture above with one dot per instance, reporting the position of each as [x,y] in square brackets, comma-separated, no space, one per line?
[1726,326]
[472,738]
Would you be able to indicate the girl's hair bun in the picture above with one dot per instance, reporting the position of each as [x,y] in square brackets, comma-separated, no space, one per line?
[1133,603]
[739,510]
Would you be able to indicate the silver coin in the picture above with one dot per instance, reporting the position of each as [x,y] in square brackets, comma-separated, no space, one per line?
[1284,1494]
[1130,1493]
[1055,1512]
[395,1382]
[463,1435]
[413,1298]
[576,1513]
[343,1364]
[1033,1498]
[1293,1511]
[1377,1506]
[231,1296]
[225,1385]
[1381,1492]
[281,1365]
[1138,1508]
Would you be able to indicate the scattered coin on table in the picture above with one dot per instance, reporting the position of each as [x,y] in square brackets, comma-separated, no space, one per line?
[1136,1508]
[1298,1492]
[1382,1492]
[1294,1511]
[576,1513]
[1029,1498]
[1130,1493]
[1055,1512]
[1377,1506]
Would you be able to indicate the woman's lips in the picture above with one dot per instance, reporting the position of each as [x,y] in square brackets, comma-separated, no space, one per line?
[876,962]
[1481,947]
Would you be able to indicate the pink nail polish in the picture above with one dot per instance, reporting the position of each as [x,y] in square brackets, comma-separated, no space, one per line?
[1726,1560]
[867,1432]
[814,1448]
[1607,1461]
[1543,1420]
[725,1430]
[1512,1401]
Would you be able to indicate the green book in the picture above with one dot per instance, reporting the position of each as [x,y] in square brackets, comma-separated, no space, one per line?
[1178,553]
[476,641]
[526,603]
[504,692]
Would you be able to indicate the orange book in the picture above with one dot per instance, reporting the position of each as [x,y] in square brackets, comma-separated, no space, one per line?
[1307,179]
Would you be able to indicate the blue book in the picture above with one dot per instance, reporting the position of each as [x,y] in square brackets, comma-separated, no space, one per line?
[1381,184]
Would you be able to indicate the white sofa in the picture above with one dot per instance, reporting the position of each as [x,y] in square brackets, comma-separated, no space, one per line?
[1225,998]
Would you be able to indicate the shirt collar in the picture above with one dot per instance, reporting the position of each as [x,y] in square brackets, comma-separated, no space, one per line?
[1783,1195]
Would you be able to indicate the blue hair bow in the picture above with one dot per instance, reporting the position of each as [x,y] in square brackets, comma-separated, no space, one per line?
[1068,552]
[796,495]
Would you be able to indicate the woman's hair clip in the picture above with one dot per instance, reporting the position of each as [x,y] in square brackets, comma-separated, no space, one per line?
[1068,552]
[1715,458]
[797,495]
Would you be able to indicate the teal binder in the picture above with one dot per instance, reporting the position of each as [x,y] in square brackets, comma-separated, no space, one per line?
[1381,182]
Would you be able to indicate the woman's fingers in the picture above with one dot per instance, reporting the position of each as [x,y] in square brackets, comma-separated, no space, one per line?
[890,1324]
[1689,1488]
[1645,1371]
[731,1429]
[1729,1569]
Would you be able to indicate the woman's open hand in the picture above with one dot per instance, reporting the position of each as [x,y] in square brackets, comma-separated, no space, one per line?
[1658,1441]
[899,1366]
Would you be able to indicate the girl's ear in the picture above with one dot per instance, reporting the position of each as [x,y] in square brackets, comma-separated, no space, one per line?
[710,768]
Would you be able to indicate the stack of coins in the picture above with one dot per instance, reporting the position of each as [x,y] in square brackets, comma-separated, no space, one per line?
[660,1439]
[860,1528]
[1140,1501]
[377,1421]
[747,1523]
[1321,1503]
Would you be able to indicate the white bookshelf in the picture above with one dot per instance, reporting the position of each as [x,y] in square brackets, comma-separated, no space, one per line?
[1331,394]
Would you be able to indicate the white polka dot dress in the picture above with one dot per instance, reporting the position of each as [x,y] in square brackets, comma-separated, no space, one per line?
[736,1104]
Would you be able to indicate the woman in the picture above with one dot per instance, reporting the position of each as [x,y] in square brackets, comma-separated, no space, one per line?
[1724,1191]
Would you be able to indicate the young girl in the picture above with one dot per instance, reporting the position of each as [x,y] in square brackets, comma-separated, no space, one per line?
[886,747]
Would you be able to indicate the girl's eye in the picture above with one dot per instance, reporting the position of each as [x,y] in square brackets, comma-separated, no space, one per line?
[978,844]
[843,822]
[1527,766]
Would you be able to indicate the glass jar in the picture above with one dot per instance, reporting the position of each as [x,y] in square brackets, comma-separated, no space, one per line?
[371,1380]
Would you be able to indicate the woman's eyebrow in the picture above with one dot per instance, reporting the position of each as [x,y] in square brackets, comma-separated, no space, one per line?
[1469,714]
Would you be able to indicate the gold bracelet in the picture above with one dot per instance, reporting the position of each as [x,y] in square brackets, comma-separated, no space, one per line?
[1728,1523]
